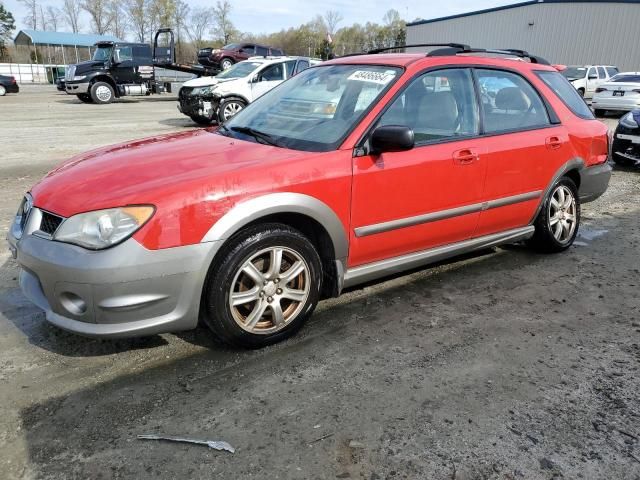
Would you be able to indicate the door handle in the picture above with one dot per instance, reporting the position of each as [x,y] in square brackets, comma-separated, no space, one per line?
[465,156]
[553,143]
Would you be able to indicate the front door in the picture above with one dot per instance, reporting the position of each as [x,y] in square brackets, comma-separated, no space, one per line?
[429,196]
[124,71]
[266,79]
[592,82]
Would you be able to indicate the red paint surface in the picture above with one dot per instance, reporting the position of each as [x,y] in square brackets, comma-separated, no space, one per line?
[194,178]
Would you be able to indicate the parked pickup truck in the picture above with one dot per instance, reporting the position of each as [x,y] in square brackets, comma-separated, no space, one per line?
[209,99]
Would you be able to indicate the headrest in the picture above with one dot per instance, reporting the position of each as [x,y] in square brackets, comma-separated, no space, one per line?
[512,98]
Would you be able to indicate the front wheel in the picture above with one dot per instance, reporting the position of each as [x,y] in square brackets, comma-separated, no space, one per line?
[559,218]
[265,286]
[599,112]
[228,108]
[85,98]
[102,93]
[200,120]
[226,63]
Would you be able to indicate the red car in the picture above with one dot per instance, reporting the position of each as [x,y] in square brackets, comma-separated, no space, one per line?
[352,170]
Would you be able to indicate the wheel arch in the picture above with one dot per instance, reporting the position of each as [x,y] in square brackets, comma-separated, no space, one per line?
[571,169]
[234,96]
[315,219]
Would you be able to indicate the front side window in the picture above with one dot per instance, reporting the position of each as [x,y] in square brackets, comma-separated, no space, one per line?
[272,73]
[316,109]
[262,51]
[437,105]
[566,92]
[125,53]
[592,74]
[509,102]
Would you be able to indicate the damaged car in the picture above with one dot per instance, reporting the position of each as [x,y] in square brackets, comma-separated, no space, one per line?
[217,99]
[625,147]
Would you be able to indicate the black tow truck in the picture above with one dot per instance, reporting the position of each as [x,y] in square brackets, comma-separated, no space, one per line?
[120,69]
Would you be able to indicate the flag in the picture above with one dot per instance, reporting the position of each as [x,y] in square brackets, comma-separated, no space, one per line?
[329,39]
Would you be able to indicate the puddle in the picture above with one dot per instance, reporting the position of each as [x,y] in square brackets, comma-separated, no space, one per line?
[586,235]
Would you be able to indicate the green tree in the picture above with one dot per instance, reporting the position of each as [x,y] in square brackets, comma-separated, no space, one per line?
[7,25]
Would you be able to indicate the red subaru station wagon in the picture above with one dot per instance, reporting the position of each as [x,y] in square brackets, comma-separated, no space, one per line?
[352,170]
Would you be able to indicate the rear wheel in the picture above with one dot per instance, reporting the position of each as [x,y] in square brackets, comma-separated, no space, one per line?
[559,218]
[264,287]
[599,112]
[228,108]
[226,63]
[84,98]
[102,93]
[3,91]
[581,92]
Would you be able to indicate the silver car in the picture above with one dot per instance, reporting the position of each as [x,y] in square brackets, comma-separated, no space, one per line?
[621,93]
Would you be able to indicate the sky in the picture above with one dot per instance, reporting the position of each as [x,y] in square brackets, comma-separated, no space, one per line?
[260,16]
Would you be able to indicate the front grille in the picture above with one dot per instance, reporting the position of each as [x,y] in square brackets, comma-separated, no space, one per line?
[49,223]
[185,92]
[71,72]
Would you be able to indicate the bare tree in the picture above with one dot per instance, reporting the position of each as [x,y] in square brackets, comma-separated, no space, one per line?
[98,10]
[31,19]
[199,22]
[71,10]
[118,19]
[41,19]
[138,14]
[54,17]
[222,25]
[332,18]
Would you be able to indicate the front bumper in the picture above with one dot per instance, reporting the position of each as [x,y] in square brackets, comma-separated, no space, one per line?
[198,105]
[594,182]
[76,88]
[124,291]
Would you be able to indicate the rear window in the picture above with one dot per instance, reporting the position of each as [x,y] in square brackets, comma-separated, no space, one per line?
[567,93]
[626,78]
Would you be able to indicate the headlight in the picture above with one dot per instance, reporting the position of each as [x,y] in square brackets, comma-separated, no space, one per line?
[79,77]
[207,90]
[629,121]
[103,228]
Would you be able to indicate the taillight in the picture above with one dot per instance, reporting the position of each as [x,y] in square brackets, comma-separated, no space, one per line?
[600,89]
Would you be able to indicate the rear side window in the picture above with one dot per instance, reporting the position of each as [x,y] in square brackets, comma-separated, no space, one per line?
[612,71]
[509,102]
[567,93]
[601,73]
[262,52]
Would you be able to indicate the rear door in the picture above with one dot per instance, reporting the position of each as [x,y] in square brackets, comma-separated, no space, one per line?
[525,151]
[428,196]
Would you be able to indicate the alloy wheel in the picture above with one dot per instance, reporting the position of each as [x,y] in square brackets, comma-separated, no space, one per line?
[562,214]
[230,109]
[269,290]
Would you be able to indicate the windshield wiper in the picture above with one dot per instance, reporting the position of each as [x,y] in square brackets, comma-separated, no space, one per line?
[257,134]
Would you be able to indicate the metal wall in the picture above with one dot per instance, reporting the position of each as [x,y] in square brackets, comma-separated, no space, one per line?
[565,33]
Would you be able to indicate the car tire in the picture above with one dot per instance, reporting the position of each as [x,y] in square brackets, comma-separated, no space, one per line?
[599,112]
[557,223]
[581,92]
[200,120]
[102,93]
[621,146]
[3,91]
[228,108]
[246,302]
[226,63]
[84,98]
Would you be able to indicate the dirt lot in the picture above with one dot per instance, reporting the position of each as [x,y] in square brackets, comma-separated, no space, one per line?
[508,365]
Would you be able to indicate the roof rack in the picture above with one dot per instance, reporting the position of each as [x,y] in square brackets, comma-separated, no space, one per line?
[448,49]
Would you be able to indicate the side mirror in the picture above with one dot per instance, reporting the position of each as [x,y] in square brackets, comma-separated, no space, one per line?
[116,57]
[391,138]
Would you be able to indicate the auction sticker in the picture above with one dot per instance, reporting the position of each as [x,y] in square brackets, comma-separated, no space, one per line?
[381,78]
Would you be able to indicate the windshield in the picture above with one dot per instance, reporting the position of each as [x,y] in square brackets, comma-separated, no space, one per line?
[316,109]
[102,54]
[574,72]
[239,70]
[626,78]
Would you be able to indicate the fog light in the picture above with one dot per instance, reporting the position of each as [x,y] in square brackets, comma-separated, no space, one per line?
[73,303]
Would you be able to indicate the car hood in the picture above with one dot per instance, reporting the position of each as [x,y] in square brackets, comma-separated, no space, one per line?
[207,81]
[88,66]
[154,171]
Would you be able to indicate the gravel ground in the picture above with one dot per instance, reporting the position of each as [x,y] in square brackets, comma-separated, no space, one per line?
[506,365]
